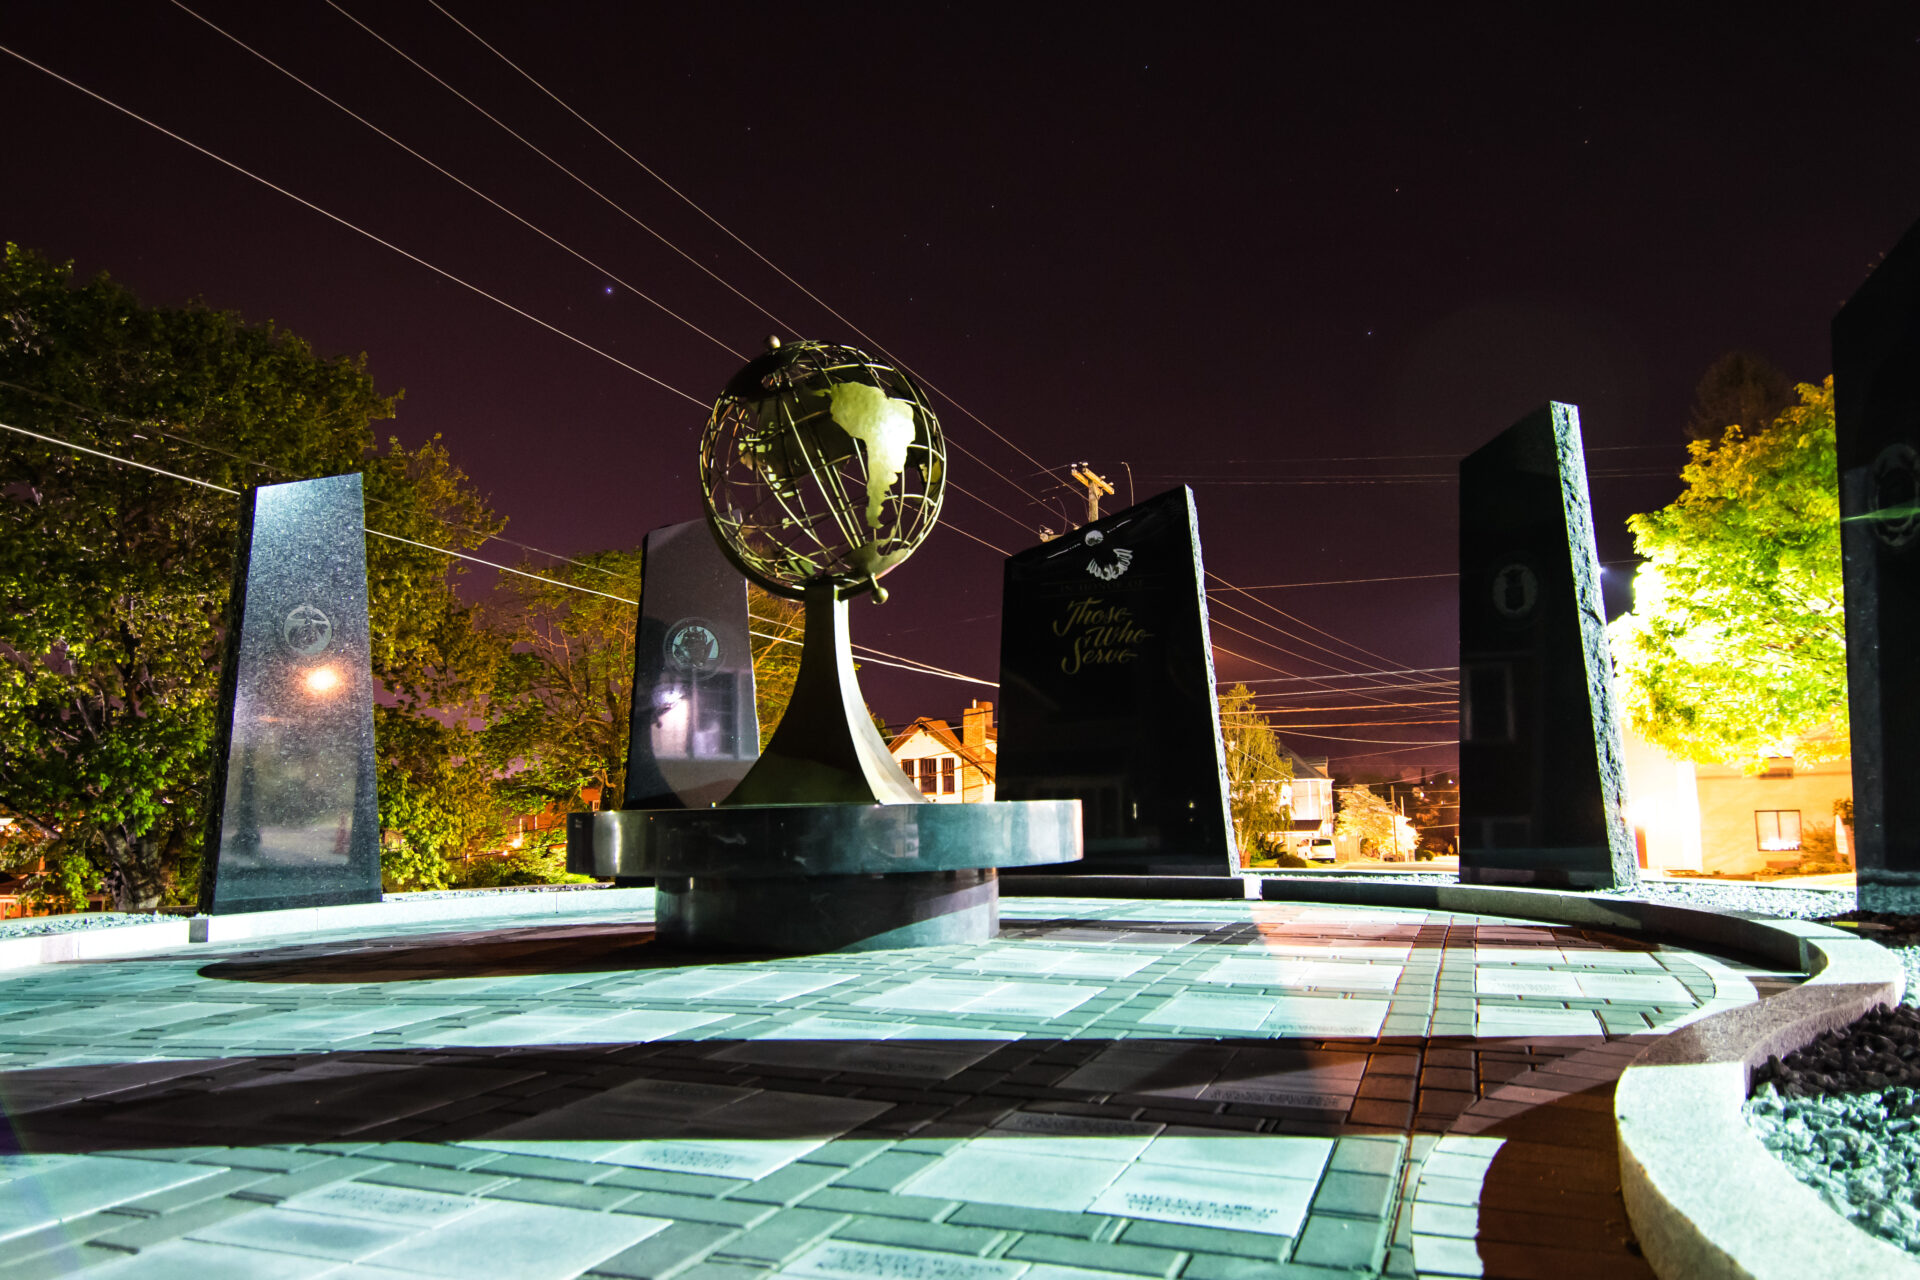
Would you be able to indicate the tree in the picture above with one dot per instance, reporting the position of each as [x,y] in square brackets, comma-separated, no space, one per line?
[563,702]
[778,626]
[1736,647]
[113,579]
[1257,771]
[1739,389]
[1362,813]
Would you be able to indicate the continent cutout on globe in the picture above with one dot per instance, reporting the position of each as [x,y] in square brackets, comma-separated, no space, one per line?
[885,426]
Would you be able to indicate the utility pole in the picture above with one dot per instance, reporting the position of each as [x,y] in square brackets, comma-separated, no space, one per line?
[1096,486]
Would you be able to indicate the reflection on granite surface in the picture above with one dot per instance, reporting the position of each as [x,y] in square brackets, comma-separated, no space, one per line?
[1107,688]
[298,820]
[695,732]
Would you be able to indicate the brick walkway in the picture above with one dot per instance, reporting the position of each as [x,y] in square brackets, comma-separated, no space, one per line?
[1190,1091]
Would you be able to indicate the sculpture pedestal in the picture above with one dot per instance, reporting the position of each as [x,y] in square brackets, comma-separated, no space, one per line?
[824,877]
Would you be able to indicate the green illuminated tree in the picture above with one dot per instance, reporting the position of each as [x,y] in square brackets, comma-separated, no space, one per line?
[1257,770]
[113,579]
[1736,646]
[561,708]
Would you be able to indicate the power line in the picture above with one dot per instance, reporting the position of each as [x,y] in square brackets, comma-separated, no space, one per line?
[735,237]
[190,442]
[1362,649]
[1340,582]
[354,227]
[451,176]
[1360,724]
[412,257]
[531,146]
[1399,671]
[1402,742]
[908,664]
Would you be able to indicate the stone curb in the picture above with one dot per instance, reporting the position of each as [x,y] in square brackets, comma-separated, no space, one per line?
[179,935]
[1705,1196]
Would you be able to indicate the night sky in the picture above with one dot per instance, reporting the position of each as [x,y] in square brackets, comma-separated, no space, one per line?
[1241,248]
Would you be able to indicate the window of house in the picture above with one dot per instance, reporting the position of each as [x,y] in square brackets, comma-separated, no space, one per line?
[949,767]
[1779,829]
[929,777]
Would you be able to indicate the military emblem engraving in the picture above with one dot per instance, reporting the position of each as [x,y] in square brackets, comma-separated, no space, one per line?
[1106,565]
[1896,495]
[692,646]
[1514,591]
[306,631]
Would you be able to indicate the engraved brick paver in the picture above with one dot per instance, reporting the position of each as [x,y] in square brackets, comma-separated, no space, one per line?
[1182,1090]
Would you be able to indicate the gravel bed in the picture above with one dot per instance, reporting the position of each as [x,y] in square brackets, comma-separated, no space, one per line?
[37,926]
[1743,896]
[1843,1114]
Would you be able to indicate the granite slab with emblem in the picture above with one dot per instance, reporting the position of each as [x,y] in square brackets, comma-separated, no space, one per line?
[1107,691]
[694,731]
[293,812]
[1876,401]
[1542,775]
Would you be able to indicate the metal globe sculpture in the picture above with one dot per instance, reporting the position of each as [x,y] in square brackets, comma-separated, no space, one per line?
[821,465]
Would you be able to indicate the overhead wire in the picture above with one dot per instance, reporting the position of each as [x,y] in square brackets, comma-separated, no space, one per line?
[619,208]
[351,226]
[442,170]
[377,239]
[763,258]
[737,239]
[1344,582]
[493,297]
[140,426]
[910,664]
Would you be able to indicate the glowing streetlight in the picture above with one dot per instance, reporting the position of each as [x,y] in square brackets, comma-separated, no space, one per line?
[322,681]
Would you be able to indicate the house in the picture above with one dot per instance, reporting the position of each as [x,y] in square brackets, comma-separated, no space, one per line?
[1309,797]
[950,768]
[1718,819]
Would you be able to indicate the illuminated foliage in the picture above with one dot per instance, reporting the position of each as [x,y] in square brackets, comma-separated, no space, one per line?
[1736,647]
[113,579]
[1361,812]
[1256,770]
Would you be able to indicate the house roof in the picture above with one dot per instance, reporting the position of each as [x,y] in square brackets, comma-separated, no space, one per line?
[941,732]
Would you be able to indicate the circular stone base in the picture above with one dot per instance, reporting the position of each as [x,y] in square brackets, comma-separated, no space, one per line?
[828,913]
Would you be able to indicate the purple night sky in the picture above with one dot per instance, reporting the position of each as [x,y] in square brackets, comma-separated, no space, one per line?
[1234,247]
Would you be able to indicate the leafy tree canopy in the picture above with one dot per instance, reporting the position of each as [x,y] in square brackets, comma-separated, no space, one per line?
[1362,813]
[1257,766]
[113,579]
[1736,646]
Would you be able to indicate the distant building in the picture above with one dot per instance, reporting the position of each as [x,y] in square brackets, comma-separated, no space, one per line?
[1717,819]
[1309,797]
[951,768]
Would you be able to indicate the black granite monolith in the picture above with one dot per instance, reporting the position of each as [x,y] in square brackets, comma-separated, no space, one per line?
[1107,692]
[695,731]
[293,816]
[1542,777]
[1876,401]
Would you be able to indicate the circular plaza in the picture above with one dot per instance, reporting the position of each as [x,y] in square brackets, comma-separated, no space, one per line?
[1182,1089]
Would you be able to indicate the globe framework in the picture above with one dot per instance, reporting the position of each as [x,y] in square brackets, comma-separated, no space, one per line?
[821,464]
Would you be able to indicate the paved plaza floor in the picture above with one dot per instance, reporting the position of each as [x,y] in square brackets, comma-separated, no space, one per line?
[1182,1090]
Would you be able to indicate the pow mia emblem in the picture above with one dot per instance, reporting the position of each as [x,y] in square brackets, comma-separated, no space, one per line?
[306,631]
[1514,591]
[1896,495]
[692,646]
[1106,565]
